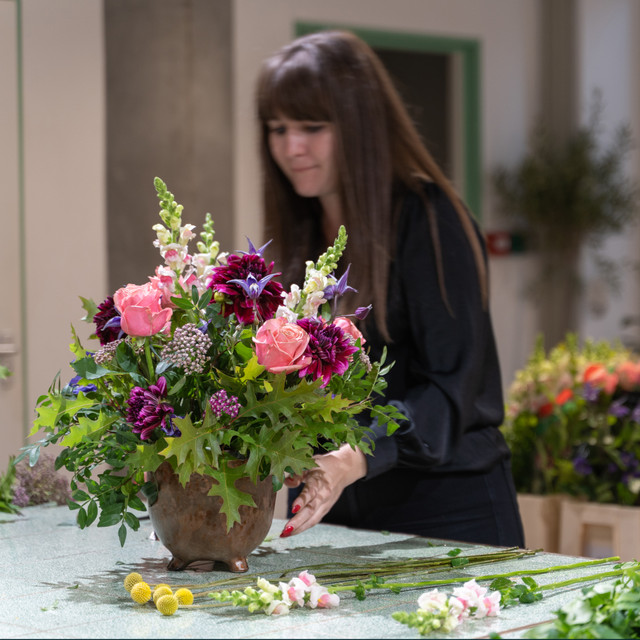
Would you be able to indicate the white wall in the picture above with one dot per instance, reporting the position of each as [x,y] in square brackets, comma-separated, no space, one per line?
[509,35]
[64,173]
[608,54]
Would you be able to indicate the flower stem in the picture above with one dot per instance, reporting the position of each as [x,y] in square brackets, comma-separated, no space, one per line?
[150,367]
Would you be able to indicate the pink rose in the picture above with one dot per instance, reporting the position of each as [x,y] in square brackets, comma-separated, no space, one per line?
[141,310]
[280,346]
[350,329]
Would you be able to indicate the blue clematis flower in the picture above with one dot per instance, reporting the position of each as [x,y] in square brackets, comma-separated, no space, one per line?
[252,286]
[340,288]
[253,250]
[76,388]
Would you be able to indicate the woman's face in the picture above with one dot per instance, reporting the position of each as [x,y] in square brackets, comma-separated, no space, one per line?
[305,152]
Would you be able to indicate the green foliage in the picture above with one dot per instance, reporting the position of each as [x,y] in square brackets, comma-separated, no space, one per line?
[605,610]
[512,593]
[574,188]
[7,481]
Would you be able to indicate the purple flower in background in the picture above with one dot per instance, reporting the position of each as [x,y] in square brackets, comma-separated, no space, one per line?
[635,414]
[582,466]
[330,349]
[618,409]
[147,411]
[590,392]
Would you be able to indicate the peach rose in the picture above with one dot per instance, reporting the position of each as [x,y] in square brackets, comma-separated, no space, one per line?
[599,377]
[629,375]
[141,310]
[349,328]
[280,346]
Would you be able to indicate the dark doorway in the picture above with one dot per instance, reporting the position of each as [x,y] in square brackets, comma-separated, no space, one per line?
[424,82]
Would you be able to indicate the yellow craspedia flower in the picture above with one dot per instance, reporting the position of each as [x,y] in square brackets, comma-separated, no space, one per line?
[184,596]
[141,592]
[167,605]
[130,580]
[161,590]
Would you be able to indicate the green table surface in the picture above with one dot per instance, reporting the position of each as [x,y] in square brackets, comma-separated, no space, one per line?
[58,581]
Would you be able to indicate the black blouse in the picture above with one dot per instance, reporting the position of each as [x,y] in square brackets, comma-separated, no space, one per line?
[446,377]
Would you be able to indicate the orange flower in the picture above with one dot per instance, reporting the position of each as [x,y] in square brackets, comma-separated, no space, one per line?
[564,396]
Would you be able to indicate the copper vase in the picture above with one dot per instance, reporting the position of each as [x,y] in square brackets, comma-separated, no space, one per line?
[189,523]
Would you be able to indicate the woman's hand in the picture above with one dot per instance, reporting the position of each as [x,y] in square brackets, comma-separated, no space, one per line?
[323,485]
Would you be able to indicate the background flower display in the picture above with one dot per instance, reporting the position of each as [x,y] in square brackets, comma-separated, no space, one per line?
[573,422]
[214,368]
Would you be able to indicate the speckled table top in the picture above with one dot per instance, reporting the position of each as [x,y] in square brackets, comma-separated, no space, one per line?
[57,581]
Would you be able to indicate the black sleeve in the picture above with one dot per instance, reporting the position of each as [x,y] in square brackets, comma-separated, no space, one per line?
[447,378]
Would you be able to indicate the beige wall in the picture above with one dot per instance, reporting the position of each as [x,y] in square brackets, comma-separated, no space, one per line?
[609,54]
[64,196]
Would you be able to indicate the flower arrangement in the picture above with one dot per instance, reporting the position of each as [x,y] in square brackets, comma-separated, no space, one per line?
[573,422]
[212,367]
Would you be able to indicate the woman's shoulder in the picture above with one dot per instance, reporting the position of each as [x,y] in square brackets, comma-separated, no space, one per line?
[413,202]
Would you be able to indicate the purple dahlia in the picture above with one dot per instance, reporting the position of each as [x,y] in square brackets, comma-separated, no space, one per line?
[147,411]
[330,349]
[246,280]
[107,321]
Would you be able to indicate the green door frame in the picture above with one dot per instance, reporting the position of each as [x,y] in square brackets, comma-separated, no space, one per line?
[469,51]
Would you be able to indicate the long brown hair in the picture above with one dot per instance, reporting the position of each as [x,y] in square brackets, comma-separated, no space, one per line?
[333,76]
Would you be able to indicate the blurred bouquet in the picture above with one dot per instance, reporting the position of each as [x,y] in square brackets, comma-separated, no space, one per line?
[573,422]
[212,367]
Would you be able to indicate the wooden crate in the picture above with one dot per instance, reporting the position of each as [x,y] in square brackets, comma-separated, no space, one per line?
[599,530]
[541,521]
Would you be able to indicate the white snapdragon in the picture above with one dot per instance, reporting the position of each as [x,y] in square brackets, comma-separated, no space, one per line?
[301,591]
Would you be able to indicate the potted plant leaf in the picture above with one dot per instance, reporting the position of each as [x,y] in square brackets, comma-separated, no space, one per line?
[566,194]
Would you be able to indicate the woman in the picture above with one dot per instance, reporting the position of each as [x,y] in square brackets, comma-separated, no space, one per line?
[339,148]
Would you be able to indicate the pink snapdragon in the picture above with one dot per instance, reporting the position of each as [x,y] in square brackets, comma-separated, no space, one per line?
[321,598]
[476,601]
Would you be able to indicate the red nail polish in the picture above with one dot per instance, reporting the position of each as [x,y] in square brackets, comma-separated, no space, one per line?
[287,531]
[295,508]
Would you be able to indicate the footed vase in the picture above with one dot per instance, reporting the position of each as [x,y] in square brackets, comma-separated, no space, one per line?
[189,524]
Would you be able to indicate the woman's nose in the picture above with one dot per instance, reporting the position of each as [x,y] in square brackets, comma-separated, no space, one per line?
[296,143]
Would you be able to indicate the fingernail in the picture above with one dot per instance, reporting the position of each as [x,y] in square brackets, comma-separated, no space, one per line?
[287,531]
[295,508]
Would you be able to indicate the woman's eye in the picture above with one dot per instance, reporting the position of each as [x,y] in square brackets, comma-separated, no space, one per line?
[314,128]
[277,129]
